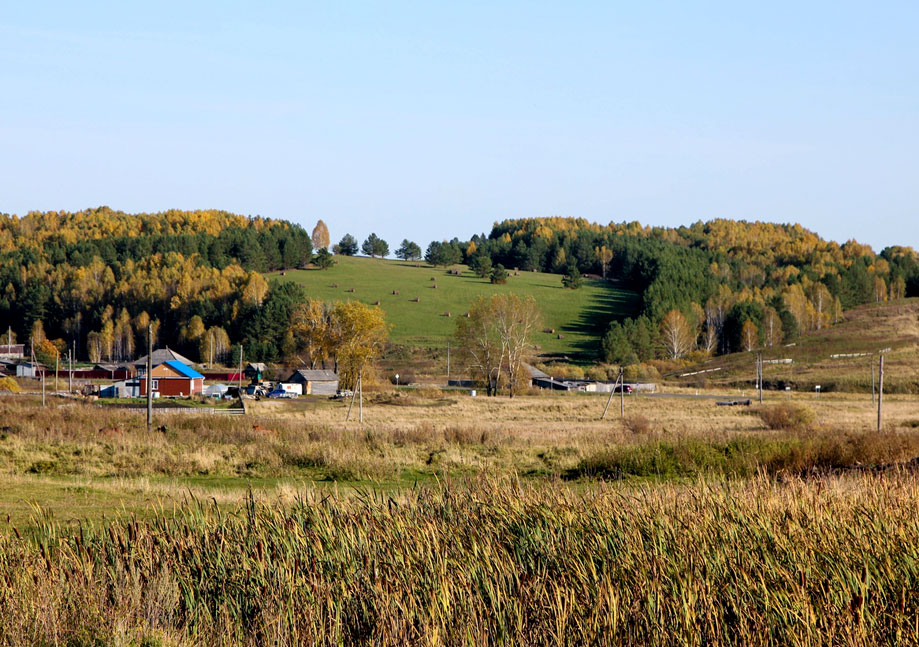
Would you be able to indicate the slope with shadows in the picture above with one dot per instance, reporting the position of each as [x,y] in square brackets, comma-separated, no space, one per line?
[423,302]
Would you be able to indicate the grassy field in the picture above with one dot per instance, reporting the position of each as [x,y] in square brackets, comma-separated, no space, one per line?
[580,316]
[865,330]
[451,520]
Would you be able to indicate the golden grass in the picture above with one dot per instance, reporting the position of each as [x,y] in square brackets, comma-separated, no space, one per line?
[490,561]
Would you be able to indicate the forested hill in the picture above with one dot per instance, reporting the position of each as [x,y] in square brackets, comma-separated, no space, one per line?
[94,279]
[718,275]
[218,238]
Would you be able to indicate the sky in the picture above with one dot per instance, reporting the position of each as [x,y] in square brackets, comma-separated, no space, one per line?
[429,120]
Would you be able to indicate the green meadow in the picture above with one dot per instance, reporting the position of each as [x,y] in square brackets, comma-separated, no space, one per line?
[578,317]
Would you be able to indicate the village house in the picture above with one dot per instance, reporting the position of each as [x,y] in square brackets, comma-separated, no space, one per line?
[12,351]
[315,382]
[173,379]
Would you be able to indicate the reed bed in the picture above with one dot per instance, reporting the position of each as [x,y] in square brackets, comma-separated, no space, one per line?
[829,561]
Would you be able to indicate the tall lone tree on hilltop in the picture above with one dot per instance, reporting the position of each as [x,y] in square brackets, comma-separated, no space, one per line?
[320,236]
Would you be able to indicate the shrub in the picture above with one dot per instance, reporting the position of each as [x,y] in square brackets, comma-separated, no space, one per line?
[637,424]
[794,417]
[597,373]
[9,384]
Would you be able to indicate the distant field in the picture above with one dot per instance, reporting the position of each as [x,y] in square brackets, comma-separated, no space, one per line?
[855,342]
[579,316]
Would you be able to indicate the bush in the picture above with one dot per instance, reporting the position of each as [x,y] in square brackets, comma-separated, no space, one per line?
[637,424]
[793,417]
[9,384]
[597,373]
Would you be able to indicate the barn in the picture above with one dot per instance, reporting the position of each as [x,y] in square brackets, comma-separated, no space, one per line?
[315,382]
[173,379]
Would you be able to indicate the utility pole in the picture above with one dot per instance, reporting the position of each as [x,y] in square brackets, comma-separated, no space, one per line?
[611,393]
[759,375]
[70,360]
[240,374]
[57,365]
[880,388]
[149,376]
[360,386]
[43,387]
[871,365]
[351,406]
[621,393]
[448,362]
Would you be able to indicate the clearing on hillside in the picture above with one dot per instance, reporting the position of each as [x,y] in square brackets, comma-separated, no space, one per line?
[419,311]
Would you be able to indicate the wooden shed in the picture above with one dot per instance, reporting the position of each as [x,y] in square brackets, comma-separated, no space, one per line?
[315,382]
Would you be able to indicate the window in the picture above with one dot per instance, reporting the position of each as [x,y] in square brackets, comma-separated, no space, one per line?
[156,385]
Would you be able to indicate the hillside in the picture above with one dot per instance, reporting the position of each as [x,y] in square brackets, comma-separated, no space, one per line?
[579,316]
[866,330]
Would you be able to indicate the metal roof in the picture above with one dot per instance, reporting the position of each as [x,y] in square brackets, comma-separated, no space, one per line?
[163,355]
[308,375]
[183,369]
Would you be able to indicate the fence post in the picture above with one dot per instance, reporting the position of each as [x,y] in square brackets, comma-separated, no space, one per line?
[880,389]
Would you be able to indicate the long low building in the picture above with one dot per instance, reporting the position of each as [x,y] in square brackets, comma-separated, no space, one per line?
[315,382]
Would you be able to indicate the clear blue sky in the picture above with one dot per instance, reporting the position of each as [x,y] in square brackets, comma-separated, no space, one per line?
[430,119]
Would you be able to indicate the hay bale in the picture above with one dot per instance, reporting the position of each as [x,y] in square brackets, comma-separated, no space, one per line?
[350,289]
[446,314]
[335,285]
[396,292]
[377,302]
[433,279]
[417,299]
[434,287]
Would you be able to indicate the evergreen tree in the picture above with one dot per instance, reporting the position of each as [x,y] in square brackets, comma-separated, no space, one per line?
[324,259]
[408,251]
[375,246]
[347,246]
[572,279]
[498,274]
[443,254]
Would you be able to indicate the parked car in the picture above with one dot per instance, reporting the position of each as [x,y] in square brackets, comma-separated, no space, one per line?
[281,393]
[623,388]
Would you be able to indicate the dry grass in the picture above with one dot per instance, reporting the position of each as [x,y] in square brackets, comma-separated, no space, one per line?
[831,561]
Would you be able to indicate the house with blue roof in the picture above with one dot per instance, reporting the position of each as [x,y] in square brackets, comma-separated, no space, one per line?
[173,379]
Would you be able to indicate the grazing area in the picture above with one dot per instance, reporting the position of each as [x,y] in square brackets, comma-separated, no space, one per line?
[423,312]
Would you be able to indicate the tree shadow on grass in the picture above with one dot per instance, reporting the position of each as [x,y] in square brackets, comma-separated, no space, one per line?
[609,302]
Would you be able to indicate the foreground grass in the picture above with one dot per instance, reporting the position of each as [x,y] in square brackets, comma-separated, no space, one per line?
[486,562]
[580,316]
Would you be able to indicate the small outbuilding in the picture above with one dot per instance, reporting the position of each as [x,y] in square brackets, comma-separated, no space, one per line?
[315,382]
[121,389]
[255,372]
[29,369]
